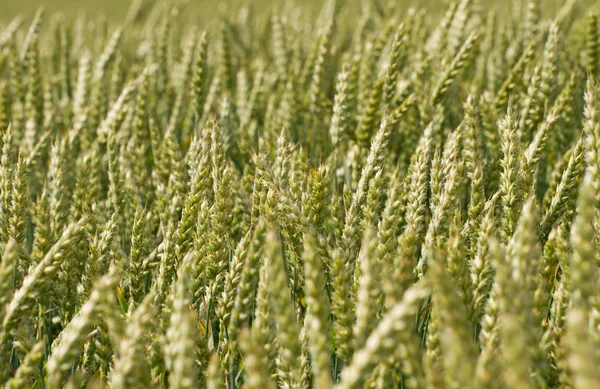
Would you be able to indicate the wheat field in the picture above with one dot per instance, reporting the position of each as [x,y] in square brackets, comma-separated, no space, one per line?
[326,194]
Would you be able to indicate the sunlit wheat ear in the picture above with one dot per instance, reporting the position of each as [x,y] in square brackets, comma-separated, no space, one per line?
[521,266]
[182,331]
[580,354]
[510,182]
[382,341]
[130,371]
[288,329]
[367,288]
[317,319]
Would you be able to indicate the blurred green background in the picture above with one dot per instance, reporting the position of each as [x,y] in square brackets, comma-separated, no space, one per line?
[116,9]
[113,9]
[207,9]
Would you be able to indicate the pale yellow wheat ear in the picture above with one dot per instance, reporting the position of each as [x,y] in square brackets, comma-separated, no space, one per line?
[334,195]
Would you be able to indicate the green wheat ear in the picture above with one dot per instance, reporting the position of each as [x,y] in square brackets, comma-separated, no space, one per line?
[592,42]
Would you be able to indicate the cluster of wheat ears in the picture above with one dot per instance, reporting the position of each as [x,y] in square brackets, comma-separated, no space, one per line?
[362,197]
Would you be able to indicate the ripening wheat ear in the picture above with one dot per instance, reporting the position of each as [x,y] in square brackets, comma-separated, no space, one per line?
[582,358]
[582,275]
[474,154]
[245,294]
[565,189]
[65,353]
[445,199]
[28,368]
[257,375]
[7,272]
[319,69]
[416,197]
[451,71]
[39,278]
[351,233]
[517,274]
[129,371]
[556,250]
[227,299]
[591,129]
[17,221]
[341,307]
[457,347]
[338,129]
[527,56]
[488,370]
[391,331]
[182,331]
[368,291]
[395,63]
[592,46]
[367,125]
[510,183]
[317,317]
[582,268]
[481,271]
[288,329]
[7,161]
